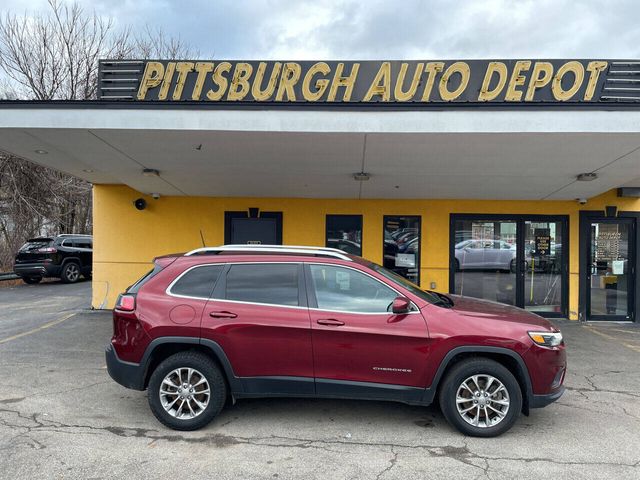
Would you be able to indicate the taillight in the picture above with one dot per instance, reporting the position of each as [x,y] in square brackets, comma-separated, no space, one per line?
[126,303]
[47,250]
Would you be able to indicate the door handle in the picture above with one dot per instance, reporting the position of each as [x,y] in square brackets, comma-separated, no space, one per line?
[331,322]
[223,314]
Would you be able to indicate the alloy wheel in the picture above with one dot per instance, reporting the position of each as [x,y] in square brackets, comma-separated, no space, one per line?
[72,272]
[185,393]
[482,401]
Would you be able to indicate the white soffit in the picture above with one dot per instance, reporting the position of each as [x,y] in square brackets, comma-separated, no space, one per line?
[310,153]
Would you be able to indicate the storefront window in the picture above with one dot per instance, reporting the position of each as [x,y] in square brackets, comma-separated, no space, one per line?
[402,246]
[485,259]
[344,232]
[519,261]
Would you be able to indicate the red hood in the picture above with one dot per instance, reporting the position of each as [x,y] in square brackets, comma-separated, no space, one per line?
[484,309]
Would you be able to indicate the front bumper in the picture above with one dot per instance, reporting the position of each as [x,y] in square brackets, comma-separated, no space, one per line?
[127,374]
[539,401]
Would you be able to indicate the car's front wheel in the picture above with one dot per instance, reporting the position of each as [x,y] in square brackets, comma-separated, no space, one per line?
[480,397]
[187,391]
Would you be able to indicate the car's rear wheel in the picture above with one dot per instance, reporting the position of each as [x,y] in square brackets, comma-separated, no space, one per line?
[187,391]
[31,280]
[481,398]
[70,272]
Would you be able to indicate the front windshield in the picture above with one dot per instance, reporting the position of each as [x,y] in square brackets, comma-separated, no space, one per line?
[431,297]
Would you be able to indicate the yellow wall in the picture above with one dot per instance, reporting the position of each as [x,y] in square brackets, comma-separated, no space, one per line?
[126,239]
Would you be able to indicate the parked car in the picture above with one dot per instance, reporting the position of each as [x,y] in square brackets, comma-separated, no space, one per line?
[264,321]
[65,256]
[484,255]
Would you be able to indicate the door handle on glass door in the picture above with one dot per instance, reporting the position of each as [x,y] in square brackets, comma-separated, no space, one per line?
[223,315]
[331,322]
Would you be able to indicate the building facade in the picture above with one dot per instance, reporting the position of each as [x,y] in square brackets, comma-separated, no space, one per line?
[513,181]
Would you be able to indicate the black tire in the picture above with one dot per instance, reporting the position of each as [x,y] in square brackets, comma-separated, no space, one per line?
[479,366]
[31,280]
[512,266]
[456,265]
[70,272]
[210,371]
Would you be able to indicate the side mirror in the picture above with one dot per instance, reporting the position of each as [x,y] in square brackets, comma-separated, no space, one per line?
[400,305]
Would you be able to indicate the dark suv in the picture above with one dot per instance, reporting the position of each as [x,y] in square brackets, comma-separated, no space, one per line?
[65,256]
[267,321]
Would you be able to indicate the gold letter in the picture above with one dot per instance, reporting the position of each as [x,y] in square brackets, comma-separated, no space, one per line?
[183,68]
[578,75]
[459,67]
[595,68]
[408,95]
[240,82]
[381,84]
[517,80]
[290,76]
[432,70]
[166,81]
[321,85]
[340,81]
[220,80]
[487,95]
[261,95]
[153,72]
[202,68]
[541,76]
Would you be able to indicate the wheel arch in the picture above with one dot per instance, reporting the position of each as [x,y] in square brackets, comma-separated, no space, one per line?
[163,347]
[508,358]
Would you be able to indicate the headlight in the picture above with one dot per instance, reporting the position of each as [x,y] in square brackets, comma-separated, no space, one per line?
[546,339]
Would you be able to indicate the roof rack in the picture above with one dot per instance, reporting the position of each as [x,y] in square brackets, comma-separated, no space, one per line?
[73,235]
[321,251]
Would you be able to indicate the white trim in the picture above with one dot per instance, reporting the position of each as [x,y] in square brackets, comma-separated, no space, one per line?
[330,120]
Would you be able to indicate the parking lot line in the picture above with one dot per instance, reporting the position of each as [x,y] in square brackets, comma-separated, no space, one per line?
[37,329]
[610,337]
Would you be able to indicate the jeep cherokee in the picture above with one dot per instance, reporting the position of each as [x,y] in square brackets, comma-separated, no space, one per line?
[243,321]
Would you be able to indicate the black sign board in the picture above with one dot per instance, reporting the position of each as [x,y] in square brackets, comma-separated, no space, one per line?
[417,82]
[542,242]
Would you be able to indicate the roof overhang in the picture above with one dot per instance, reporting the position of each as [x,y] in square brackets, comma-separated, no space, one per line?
[297,152]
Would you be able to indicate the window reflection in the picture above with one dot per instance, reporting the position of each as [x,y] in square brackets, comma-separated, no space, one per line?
[402,246]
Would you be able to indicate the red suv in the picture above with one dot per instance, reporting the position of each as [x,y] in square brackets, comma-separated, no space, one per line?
[270,321]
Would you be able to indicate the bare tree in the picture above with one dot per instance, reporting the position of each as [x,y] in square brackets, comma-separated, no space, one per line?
[54,56]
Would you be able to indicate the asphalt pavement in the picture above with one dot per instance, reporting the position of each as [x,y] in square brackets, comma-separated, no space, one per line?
[62,417]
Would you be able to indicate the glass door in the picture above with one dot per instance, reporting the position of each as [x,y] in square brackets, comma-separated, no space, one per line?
[518,260]
[610,260]
[544,266]
[485,259]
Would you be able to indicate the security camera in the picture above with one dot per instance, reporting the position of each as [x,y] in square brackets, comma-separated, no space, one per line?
[140,203]
[155,196]
[581,201]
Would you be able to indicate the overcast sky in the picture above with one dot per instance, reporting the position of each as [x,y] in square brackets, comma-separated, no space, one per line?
[377,29]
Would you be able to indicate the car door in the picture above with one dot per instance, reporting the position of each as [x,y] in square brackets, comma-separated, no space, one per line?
[355,337]
[258,314]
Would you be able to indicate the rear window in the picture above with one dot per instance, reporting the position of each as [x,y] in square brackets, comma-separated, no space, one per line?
[145,278]
[35,244]
[198,282]
[269,283]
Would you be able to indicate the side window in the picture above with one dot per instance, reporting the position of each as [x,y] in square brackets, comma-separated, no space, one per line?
[197,282]
[273,283]
[347,290]
[82,243]
[67,243]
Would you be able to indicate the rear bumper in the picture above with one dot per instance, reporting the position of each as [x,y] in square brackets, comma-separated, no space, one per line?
[40,269]
[127,374]
[539,401]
